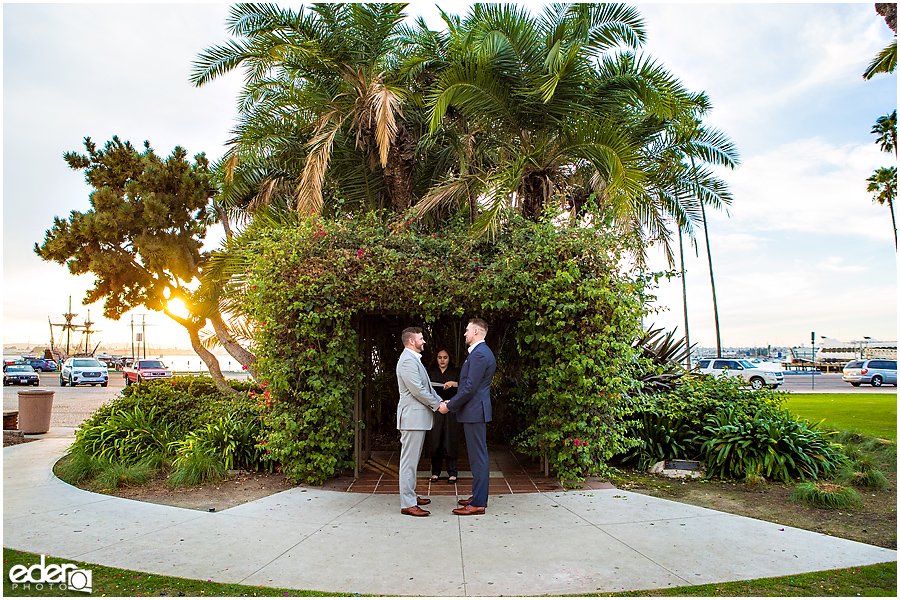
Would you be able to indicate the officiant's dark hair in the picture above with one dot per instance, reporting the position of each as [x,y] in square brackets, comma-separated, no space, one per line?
[433,362]
[408,333]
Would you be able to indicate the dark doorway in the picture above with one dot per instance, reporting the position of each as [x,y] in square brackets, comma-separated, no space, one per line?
[375,407]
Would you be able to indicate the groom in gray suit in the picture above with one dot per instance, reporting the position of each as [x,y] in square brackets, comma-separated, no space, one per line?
[415,416]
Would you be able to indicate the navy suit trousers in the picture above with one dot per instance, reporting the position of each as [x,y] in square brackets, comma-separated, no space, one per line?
[476,442]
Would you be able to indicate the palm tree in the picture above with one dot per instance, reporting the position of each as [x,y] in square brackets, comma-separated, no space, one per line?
[886,130]
[883,183]
[321,112]
[685,188]
[540,99]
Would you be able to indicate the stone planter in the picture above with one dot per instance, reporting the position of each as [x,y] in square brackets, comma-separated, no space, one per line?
[35,407]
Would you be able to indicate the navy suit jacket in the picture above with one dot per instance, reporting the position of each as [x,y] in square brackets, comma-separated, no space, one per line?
[472,402]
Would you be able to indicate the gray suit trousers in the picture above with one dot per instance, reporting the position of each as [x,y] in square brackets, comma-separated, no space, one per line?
[411,441]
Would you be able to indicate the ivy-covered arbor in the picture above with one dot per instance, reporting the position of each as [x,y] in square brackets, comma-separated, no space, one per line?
[329,297]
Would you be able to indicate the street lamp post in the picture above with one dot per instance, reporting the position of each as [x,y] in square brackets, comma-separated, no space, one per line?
[813,338]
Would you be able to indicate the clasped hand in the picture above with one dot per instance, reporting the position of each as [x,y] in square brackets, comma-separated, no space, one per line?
[443,409]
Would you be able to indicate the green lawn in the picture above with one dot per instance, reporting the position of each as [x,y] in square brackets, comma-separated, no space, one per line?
[872,414]
[872,580]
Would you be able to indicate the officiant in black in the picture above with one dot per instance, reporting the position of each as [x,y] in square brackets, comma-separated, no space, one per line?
[442,441]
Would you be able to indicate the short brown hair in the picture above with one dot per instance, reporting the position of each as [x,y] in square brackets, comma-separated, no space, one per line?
[481,323]
[408,334]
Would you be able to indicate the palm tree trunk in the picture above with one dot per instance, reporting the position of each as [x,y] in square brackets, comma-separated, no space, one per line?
[894,221]
[712,279]
[687,334]
[398,170]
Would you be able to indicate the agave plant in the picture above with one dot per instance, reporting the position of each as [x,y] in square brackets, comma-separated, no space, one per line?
[666,353]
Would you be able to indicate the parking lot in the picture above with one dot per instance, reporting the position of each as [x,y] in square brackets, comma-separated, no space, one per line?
[71,406]
[829,382]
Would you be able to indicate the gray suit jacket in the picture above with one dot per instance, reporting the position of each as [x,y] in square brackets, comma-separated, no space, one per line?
[418,400]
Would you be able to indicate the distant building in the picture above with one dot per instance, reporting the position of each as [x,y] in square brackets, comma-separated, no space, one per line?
[836,351]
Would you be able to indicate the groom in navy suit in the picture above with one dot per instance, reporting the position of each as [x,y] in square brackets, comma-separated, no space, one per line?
[472,407]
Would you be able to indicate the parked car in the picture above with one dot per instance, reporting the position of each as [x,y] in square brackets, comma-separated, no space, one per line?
[758,377]
[873,371]
[146,369]
[42,364]
[20,375]
[78,371]
[761,363]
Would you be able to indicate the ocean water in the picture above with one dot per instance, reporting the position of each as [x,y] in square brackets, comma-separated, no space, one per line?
[192,363]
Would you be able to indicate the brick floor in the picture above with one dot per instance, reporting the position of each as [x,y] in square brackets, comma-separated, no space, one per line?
[511,473]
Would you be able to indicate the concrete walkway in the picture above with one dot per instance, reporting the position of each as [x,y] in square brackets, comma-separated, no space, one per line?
[527,544]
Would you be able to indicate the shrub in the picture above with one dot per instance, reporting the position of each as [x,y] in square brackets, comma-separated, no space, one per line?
[117,475]
[825,495]
[771,444]
[194,465]
[872,479]
[125,437]
[138,433]
[176,407]
[77,467]
[670,425]
[186,402]
[863,473]
[698,397]
[665,354]
[661,437]
[231,440]
[754,479]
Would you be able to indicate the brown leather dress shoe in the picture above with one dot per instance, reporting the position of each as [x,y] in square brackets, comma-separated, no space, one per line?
[422,501]
[468,509]
[465,502]
[415,511]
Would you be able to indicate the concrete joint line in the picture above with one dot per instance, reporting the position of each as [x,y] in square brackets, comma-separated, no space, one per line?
[304,538]
[134,539]
[638,552]
[623,542]
[462,558]
[665,519]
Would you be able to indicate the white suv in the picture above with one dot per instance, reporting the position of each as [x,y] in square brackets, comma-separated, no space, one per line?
[758,376]
[76,371]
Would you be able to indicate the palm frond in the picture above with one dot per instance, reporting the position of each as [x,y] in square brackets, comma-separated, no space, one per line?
[885,62]
[387,108]
[309,190]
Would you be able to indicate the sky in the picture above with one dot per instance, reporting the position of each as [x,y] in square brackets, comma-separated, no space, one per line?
[802,248]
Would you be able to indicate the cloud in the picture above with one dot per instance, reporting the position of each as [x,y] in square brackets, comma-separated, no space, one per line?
[835,264]
[810,185]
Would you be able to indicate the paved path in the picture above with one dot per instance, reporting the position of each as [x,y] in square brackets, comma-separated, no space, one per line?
[307,538]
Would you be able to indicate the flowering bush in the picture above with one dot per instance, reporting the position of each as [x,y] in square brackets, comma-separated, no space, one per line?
[567,368]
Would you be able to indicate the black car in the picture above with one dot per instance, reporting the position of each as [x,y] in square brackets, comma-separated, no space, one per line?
[20,375]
